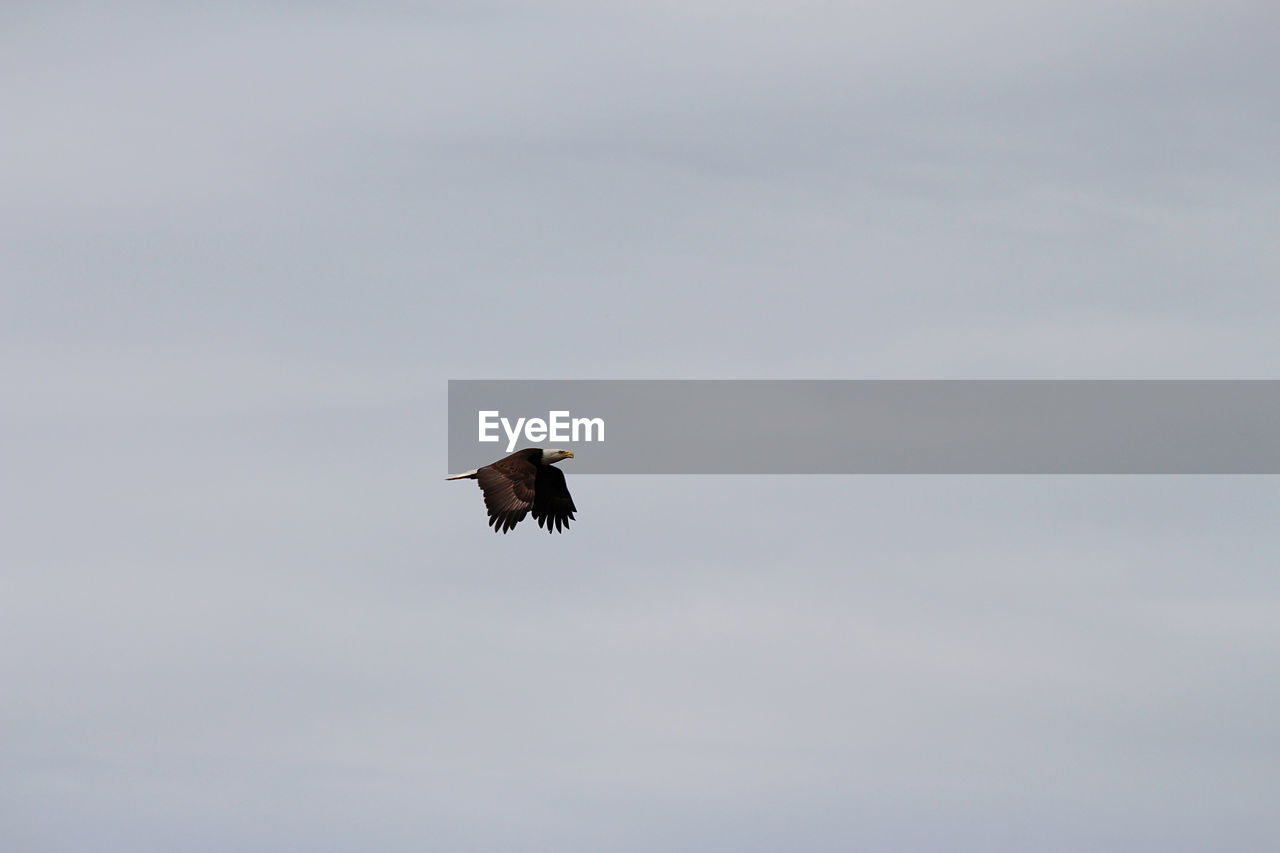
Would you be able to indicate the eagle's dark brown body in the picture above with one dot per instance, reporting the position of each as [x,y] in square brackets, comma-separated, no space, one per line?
[522,483]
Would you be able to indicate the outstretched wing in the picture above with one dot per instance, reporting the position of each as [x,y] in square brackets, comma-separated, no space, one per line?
[508,487]
[552,503]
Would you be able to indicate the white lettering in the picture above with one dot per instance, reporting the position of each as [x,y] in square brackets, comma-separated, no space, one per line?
[486,425]
[560,426]
[513,434]
[588,423]
[558,423]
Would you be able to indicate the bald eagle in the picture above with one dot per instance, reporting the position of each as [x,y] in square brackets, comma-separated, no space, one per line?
[521,483]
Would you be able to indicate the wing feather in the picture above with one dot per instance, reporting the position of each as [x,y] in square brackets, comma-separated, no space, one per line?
[508,487]
[552,503]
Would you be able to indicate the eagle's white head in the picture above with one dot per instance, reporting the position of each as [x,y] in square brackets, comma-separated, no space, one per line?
[550,456]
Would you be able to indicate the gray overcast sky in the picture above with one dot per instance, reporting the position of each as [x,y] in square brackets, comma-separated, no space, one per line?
[243,248]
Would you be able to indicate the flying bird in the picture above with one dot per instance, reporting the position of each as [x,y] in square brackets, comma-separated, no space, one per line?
[525,482]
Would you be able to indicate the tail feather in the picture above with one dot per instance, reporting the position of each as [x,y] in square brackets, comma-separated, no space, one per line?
[465,475]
